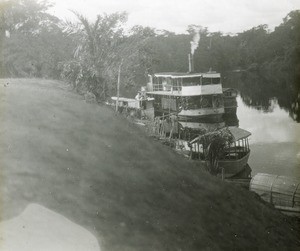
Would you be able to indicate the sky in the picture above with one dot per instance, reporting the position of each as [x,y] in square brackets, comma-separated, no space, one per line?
[227,16]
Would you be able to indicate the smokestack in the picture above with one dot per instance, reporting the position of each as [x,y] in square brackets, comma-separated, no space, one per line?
[191,63]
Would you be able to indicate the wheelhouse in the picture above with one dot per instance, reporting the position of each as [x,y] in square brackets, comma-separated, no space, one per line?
[185,83]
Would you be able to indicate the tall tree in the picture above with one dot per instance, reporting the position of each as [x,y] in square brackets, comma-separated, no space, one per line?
[33,43]
[101,47]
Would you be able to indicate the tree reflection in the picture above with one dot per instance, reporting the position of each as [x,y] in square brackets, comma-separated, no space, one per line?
[261,93]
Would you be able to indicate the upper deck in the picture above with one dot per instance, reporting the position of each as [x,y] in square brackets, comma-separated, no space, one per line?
[185,84]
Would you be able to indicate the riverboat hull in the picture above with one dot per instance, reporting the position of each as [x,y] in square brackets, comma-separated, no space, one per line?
[233,167]
[201,126]
[230,167]
[230,110]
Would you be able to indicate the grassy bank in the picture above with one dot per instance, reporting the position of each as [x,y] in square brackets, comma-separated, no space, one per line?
[97,169]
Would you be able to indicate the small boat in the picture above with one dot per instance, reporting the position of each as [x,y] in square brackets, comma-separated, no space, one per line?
[127,102]
[281,191]
[233,158]
[142,107]
[230,103]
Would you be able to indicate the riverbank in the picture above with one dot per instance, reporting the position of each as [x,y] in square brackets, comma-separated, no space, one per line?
[102,172]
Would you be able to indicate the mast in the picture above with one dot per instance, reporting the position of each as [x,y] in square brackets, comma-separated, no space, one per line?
[191,62]
[118,87]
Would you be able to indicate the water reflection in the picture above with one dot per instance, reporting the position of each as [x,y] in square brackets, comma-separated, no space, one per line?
[275,141]
[259,92]
[274,126]
[270,110]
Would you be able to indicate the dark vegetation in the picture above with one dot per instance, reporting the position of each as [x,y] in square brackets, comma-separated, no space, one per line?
[88,54]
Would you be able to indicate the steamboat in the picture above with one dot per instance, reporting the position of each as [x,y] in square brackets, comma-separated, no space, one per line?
[193,97]
[185,107]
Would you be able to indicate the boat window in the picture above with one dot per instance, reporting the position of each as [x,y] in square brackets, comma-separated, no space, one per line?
[206,81]
[197,102]
[227,93]
[176,84]
[157,86]
[166,84]
[209,81]
[191,81]
[154,80]
[216,81]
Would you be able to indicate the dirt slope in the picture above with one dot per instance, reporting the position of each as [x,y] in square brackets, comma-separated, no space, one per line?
[97,169]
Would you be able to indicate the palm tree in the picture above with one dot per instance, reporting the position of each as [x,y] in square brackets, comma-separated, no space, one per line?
[101,46]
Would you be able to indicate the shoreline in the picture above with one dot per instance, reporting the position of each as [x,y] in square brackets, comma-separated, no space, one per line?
[105,174]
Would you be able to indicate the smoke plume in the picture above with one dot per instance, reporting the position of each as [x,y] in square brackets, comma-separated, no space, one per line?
[195,41]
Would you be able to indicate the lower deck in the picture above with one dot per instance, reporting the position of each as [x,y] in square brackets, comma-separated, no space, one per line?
[188,106]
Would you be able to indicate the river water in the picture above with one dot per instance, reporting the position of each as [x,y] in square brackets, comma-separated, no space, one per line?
[275,139]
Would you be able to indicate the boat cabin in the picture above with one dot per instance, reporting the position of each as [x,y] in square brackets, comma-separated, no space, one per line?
[190,95]
[185,84]
[143,106]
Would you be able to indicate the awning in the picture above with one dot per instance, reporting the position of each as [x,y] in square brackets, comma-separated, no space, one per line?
[237,134]
[187,75]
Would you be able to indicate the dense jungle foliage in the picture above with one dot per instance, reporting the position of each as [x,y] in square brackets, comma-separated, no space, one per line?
[264,64]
